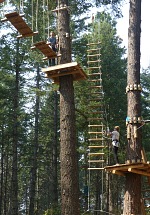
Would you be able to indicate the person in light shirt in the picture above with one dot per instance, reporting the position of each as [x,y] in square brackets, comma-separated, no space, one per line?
[115,142]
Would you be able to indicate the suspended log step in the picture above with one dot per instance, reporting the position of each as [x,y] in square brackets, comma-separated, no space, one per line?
[95,153]
[140,168]
[95,119]
[18,22]
[45,48]
[95,80]
[96,161]
[95,74]
[94,55]
[95,86]
[90,50]
[95,125]
[95,132]
[94,61]
[93,147]
[54,72]
[96,139]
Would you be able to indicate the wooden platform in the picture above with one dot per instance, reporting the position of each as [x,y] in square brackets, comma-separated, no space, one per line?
[45,48]
[54,72]
[140,168]
[18,22]
[1,1]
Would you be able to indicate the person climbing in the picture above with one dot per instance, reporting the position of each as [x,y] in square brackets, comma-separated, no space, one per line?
[53,43]
[115,142]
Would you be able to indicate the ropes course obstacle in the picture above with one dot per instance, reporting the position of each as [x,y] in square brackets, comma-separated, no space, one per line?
[45,48]
[54,72]
[18,22]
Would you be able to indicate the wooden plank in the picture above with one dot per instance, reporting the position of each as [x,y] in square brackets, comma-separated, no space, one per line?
[1,1]
[54,72]
[45,48]
[118,172]
[124,167]
[137,171]
[18,22]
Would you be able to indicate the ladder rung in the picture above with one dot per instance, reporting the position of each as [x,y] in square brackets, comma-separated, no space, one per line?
[94,61]
[96,147]
[90,50]
[95,80]
[95,132]
[94,74]
[95,118]
[96,168]
[93,55]
[96,139]
[96,112]
[96,161]
[97,105]
[95,99]
[97,92]
[95,153]
[95,125]
[89,44]
[95,86]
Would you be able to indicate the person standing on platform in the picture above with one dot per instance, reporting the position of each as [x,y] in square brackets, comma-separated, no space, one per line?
[53,43]
[115,142]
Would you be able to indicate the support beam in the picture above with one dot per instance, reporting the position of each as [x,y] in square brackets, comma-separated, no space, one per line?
[137,171]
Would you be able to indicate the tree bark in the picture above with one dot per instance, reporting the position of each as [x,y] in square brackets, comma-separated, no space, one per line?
[68,154]
[14,180]
[132,196]
[55,155]
[34,167]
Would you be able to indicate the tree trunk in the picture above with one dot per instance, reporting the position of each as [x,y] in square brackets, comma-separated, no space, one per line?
[2,171]
[55,155]
[132,198]
[14,180]
[68,154]
[34,167]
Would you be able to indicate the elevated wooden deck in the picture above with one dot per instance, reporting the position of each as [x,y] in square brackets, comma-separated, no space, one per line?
[54,72]
[45,48]
[1,1]
[140,168]
[18,22]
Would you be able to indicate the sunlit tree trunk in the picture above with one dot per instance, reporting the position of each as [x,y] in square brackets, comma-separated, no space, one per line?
[132,204]
[68,153]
